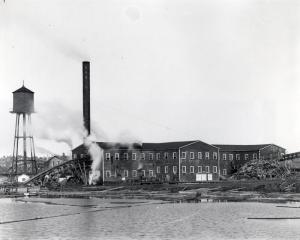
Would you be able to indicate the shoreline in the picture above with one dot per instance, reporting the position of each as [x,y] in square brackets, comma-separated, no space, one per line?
[165,192]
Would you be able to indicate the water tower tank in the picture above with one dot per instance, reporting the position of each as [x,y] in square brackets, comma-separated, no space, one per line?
[23,101]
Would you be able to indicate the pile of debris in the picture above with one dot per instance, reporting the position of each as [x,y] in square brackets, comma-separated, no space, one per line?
[59,177]
[262,169]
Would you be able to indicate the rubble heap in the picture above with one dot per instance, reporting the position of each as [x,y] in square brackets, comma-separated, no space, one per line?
[261,169]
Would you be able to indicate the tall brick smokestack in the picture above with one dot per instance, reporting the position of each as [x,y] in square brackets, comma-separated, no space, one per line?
[86,96]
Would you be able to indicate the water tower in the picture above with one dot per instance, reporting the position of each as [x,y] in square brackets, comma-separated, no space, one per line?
[23,107]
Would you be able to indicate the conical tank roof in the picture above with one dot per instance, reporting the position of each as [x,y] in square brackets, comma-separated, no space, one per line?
[23,89]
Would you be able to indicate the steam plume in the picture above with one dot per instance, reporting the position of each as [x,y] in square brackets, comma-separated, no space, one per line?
[96,154]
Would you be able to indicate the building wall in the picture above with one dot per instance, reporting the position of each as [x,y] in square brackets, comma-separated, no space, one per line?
[165,165]
[193,163]
[53,162]
[235,159]
[272,152]
[138,163]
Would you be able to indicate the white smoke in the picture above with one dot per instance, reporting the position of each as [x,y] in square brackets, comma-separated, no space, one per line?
[58,123]
[43,150]
[126,138]
[96,154]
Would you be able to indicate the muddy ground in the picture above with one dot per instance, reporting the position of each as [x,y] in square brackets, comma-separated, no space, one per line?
[262,191]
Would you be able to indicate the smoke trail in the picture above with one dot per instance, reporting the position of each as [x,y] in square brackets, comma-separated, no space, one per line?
[58,123]
[96,154]
[126,138]
[60,137]
[43,150]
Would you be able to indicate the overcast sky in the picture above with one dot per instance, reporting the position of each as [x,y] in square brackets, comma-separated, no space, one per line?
[223,71]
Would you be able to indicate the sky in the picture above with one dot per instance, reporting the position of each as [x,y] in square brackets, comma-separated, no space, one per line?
[220,71]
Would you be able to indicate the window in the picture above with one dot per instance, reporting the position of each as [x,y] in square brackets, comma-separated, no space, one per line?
[207,169]
[174,169]
[183,169]
[166,155]
[215,156]
[144,173]
[192,155]
[117,156]
[246,156]
[158,169]
[134,173]
[192,169]
[166,169]
[224,156]
[174,155]
[224,172]
[107,173]
[143,156]
[230,157]
[157,156]
[107,156]
[206,155]
[81,155]
[125,173]
[183,155]
[215,169]
[125,156]
[151,156]
[238,157]
[254,155]
[150,173]
[74,155]
[133,156]
[199,155]
[199,169]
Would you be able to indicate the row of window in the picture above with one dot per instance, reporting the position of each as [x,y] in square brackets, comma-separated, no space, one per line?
[199,169]
[143,156]
[158,156]
[183,156]
[174,156]
[238,156]
[166,170]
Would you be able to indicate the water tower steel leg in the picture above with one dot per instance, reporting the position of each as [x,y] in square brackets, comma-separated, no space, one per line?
[31,154]
[30,145]
[24,144]
[33,148]
[34,165]
[17,148]
[14,150]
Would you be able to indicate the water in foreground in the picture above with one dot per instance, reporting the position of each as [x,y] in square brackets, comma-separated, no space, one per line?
[94,218]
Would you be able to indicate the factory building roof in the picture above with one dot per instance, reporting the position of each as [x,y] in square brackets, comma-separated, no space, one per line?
[165,145]
[241,147]
[174,145]
[24,90]
[140,146]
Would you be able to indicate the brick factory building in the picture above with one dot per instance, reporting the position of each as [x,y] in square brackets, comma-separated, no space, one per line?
[187,161]
[232,157]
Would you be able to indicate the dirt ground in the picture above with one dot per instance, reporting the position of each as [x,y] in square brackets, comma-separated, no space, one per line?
[264,191]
